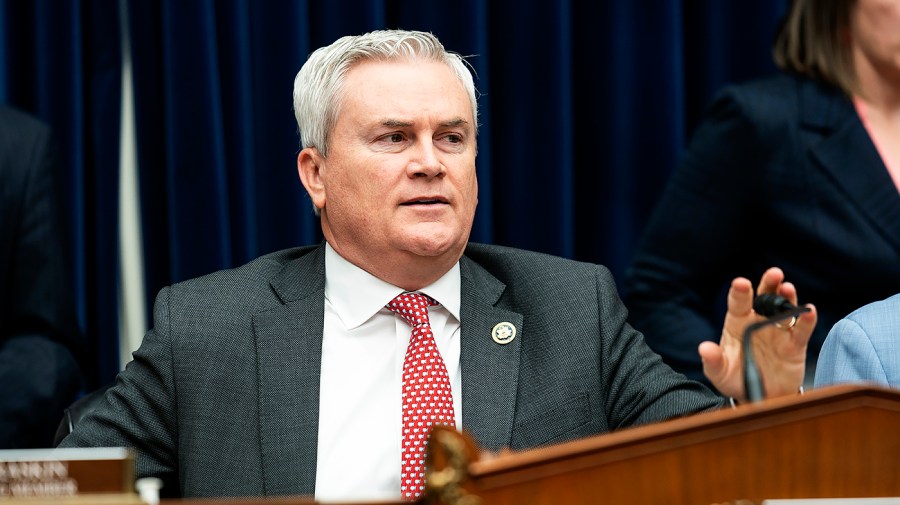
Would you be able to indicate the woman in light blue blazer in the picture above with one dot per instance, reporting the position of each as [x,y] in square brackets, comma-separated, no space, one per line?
[863,347]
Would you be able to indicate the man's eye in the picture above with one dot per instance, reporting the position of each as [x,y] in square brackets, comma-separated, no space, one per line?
[452,138]
[395,137]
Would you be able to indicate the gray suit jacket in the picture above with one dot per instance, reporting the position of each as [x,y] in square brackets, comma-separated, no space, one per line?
[863,347]
[222,397]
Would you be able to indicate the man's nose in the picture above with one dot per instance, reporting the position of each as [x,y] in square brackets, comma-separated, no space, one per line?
[426,161]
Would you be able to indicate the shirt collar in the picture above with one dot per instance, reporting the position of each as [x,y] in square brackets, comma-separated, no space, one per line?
[357,295]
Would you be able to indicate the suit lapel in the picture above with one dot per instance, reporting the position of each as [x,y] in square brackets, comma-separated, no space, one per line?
[848,156]
[289,350]
[490,371]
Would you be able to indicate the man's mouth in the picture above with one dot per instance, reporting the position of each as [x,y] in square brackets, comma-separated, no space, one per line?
[425,201]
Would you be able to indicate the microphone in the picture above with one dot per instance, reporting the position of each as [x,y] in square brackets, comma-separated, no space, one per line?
[775,308]
[769,304]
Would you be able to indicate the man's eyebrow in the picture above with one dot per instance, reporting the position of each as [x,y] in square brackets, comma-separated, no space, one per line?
[396,123]
[454,123]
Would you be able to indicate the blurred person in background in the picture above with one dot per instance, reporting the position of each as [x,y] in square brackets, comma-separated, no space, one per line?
[39,336]
[799,170]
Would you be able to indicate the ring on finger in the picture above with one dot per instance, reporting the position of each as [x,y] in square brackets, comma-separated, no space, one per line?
[788,325]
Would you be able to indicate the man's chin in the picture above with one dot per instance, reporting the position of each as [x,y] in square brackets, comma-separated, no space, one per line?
[435,247]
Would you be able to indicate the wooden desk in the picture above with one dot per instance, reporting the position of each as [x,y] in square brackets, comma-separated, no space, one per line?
[830,443]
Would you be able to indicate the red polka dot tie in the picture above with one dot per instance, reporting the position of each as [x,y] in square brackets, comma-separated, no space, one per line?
[427,399]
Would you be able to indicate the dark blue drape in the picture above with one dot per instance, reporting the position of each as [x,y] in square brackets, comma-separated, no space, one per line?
[585,109]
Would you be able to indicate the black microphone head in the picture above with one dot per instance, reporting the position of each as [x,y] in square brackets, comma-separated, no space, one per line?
[769,304]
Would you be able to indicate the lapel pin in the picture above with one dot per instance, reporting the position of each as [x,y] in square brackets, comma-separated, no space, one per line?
[503,333]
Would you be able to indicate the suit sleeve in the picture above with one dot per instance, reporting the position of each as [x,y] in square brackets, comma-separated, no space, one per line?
[40,343]
[849,356]
[699,235]
[139,411]
[640,388]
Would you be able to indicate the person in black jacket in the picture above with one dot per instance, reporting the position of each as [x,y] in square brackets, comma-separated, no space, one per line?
[800,170]
[39,336]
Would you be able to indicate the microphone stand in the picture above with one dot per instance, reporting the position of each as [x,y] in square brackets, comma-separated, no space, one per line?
[753,384]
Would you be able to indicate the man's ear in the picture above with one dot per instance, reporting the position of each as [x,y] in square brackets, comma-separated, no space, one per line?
[309,163]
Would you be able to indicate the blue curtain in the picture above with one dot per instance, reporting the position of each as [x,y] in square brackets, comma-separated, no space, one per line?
[585,110]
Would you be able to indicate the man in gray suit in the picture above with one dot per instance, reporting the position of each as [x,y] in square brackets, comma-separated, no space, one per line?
[284,376]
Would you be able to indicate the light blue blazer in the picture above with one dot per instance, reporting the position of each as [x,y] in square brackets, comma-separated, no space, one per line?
[863,347]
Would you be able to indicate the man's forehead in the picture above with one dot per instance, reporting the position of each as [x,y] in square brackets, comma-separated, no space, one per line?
[403,93]
[428,70]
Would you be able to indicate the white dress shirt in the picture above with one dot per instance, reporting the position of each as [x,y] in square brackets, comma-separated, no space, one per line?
[362,364]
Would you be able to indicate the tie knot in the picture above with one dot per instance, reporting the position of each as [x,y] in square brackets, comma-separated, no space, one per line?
[412,306]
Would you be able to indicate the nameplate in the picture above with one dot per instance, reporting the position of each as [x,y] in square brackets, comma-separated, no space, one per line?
[65,472]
